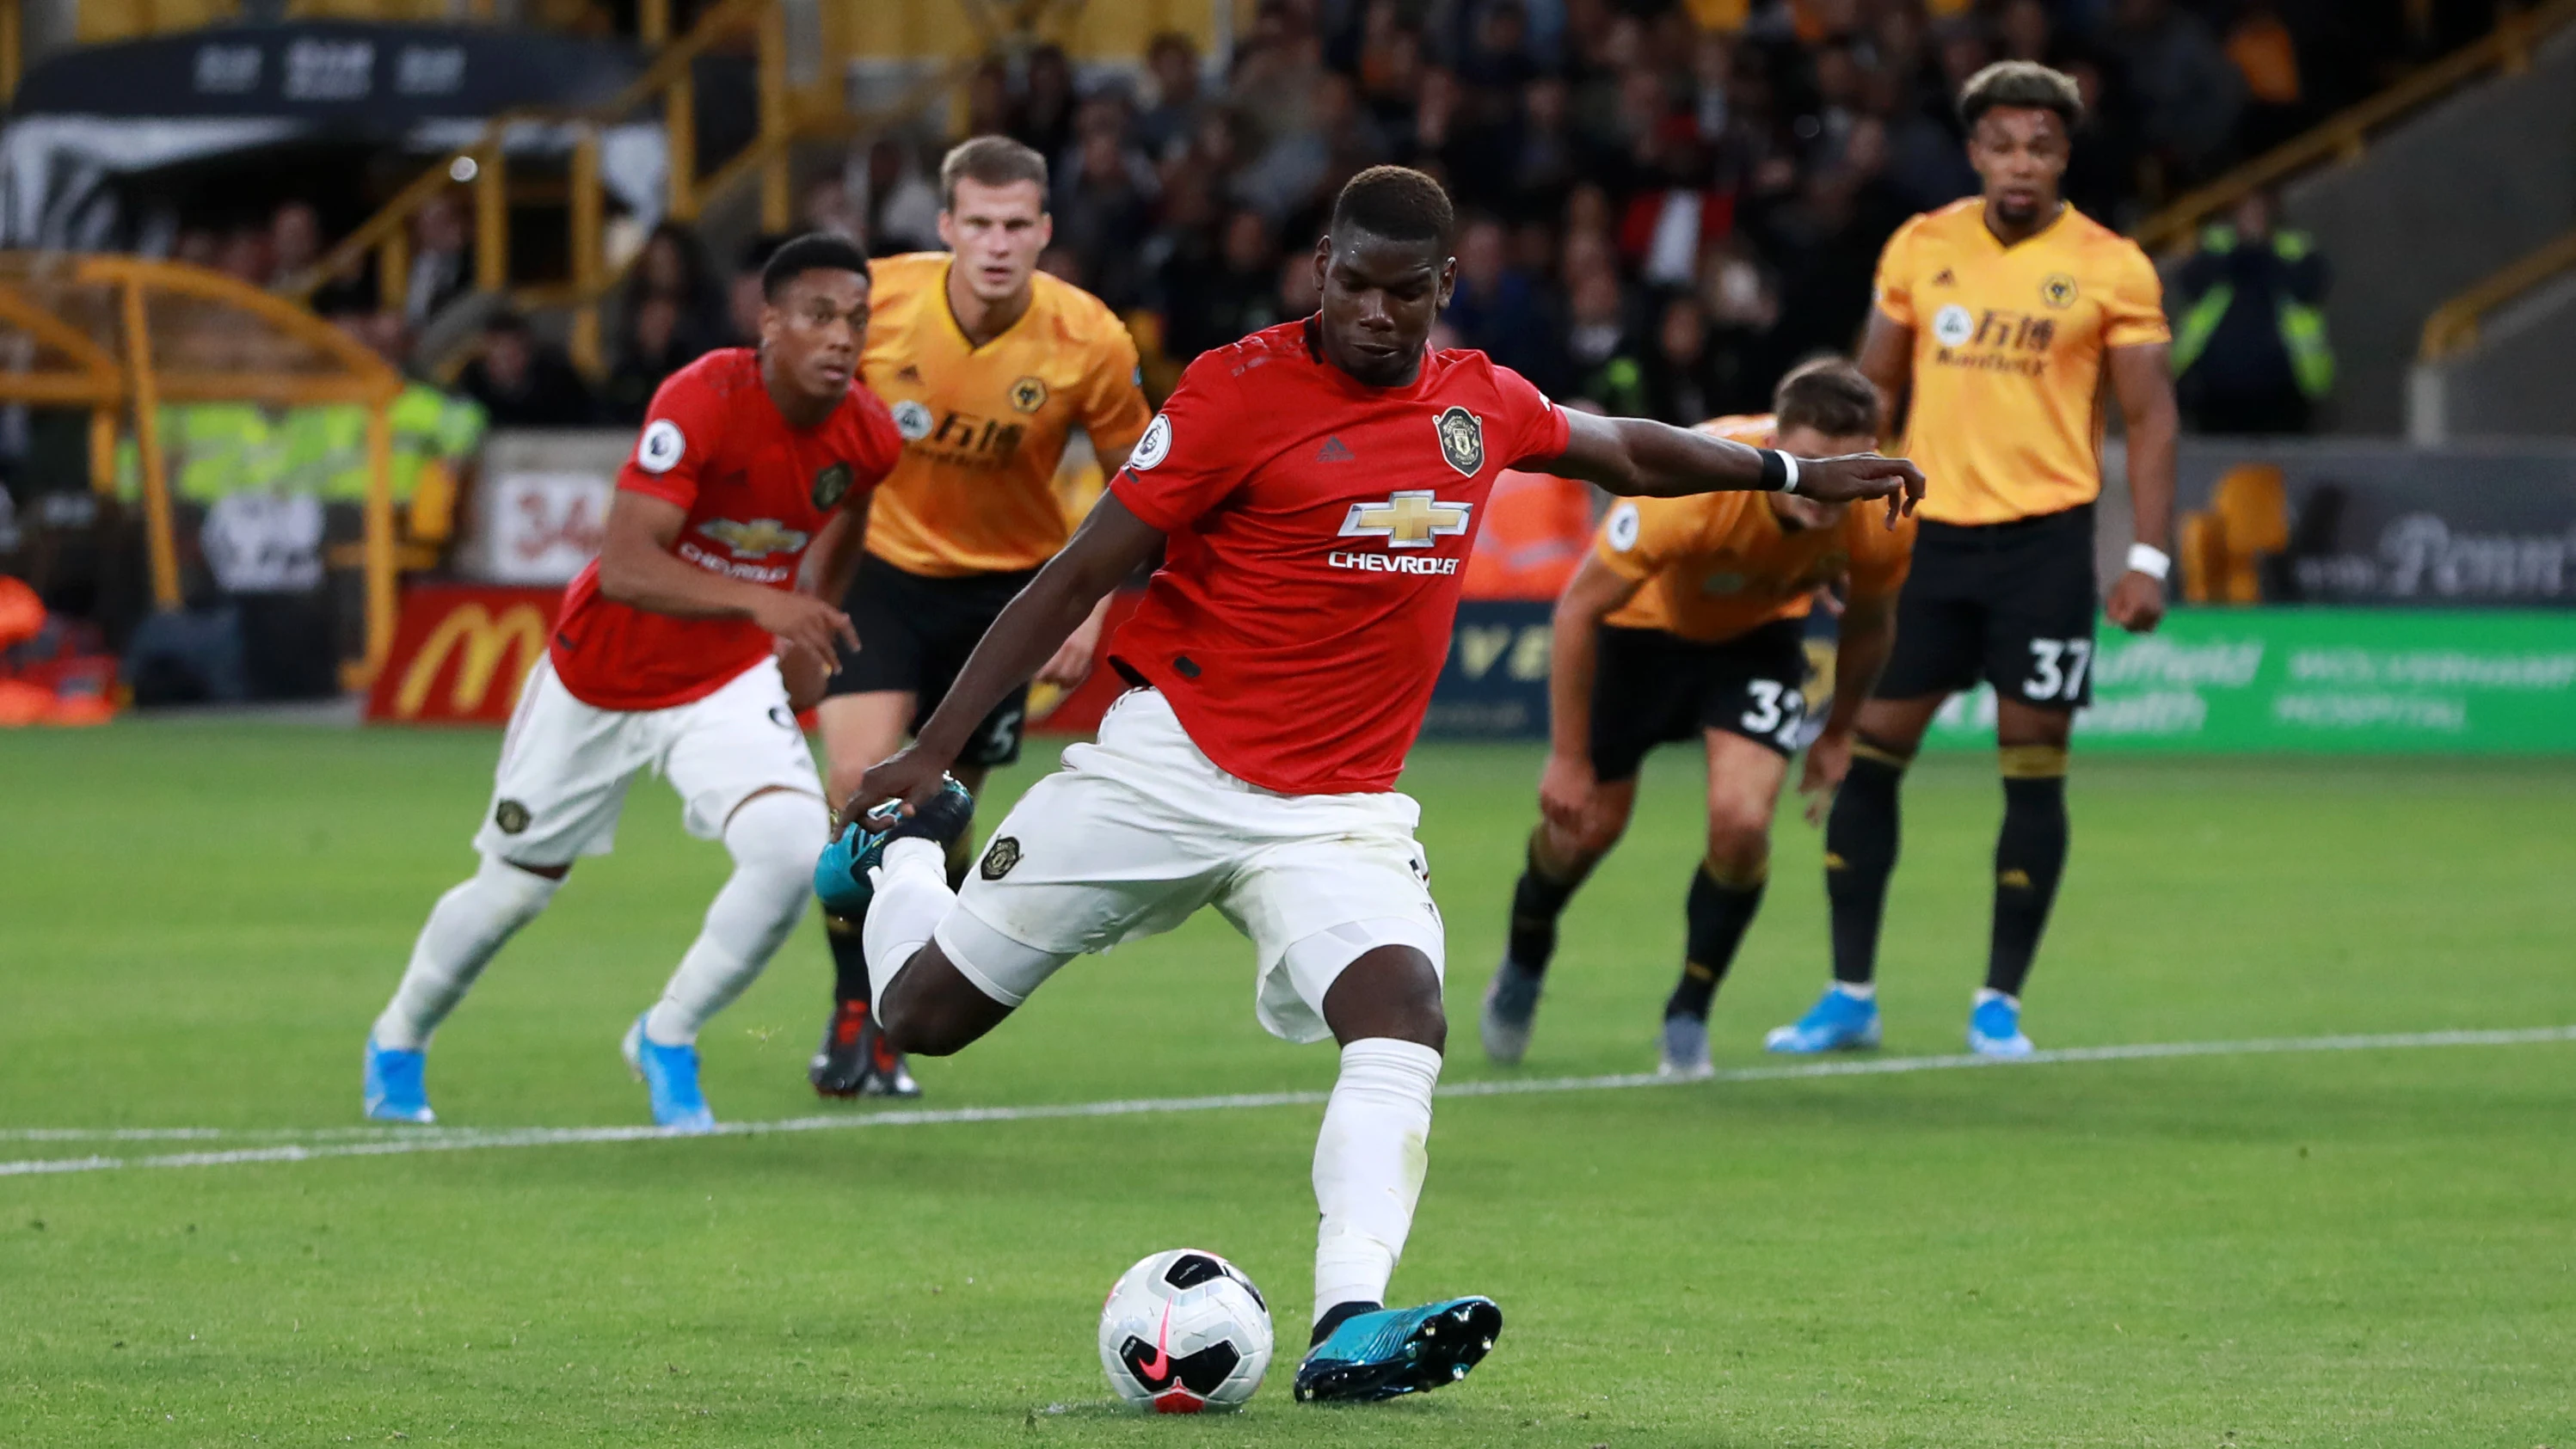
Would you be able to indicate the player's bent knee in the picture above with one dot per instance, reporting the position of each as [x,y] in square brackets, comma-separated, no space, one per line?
[1391,991]
[931,1009]
[1739,826]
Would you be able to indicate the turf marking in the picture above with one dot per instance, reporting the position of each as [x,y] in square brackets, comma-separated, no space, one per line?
[316,1144]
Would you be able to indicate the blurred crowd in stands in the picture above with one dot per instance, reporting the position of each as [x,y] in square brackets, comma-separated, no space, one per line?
[1666,204]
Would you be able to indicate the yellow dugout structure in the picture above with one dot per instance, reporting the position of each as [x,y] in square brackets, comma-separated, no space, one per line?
[122,337]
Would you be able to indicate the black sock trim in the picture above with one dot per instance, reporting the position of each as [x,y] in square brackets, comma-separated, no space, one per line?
[1339,1314]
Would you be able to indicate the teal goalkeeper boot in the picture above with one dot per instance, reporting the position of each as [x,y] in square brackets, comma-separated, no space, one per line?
[1391,1352]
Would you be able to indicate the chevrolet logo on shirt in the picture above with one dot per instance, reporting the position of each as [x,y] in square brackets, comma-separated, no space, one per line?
[759,538]
[1409,518]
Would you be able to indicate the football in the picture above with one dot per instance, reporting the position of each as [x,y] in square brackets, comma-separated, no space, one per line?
[1183,1331]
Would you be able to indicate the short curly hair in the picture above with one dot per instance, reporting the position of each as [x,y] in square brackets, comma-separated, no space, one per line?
[1395,202]
[2021,85]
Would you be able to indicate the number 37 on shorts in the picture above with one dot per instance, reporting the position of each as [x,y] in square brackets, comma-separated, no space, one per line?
[2057,670]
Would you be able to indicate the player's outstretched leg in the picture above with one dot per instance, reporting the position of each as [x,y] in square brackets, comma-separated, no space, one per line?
[1860,854]
[2030,856]
[1370,1157]
[1744,776]
[772,837]
[1557,864]
[464,930]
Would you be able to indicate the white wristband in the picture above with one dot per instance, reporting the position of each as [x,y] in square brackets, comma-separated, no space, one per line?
[2146,558]
[1790,461]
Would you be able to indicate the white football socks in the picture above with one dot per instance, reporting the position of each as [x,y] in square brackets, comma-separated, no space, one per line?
[464,929]
[1369,1161]
[774,839]
[911,895]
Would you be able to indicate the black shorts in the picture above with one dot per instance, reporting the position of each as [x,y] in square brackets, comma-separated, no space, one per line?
[1654,688]
[2009,603]
[914,636]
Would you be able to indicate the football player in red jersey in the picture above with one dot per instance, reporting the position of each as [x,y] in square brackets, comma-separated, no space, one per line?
[1314,487]
[667,657]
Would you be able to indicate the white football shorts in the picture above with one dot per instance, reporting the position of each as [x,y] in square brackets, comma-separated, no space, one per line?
[565,765]
[1140,830]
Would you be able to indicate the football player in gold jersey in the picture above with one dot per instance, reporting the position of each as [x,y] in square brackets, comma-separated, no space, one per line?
[1688,621]
[2001,323]
[987,364]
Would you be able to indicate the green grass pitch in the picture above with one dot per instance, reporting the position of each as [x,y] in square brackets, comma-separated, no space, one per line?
[2377,1247]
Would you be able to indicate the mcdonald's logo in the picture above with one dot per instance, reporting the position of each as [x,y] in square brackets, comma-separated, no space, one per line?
[460,654]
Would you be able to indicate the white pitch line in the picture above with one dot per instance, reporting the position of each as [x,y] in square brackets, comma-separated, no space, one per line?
[322,1143]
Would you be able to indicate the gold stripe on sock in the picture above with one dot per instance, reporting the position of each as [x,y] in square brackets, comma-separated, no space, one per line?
[1864,750]
[1736,880]
[2032,762]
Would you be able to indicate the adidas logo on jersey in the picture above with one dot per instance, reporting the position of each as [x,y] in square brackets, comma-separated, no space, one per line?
[907,373]
[1335,451]
[1942,278]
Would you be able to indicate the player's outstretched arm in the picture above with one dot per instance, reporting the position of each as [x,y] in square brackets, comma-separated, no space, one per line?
[1567,787]
[1111,544]
[1636,457]
[638,569]
[2142,375]
[1866,637]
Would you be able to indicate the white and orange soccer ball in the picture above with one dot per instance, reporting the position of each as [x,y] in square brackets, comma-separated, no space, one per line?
[1183,1331]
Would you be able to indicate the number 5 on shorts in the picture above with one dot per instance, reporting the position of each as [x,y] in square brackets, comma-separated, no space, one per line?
[2057,668]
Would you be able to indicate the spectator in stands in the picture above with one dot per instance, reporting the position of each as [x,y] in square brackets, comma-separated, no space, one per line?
[294,242]
[442,260]
[1499,310]
[1597,347]
[2250,347]
[198,246]
[826,206]
[523,381]
[2188,93]
[1044,117]
[654,346]
[1103,201]
[673,267]
[745,297]
[247,256]
[1164,129]
[902,207]
[1679,380]
[2265,52]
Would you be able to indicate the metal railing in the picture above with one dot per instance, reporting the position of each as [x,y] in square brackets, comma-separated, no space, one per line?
[2506,50]
[483,165]
[95,314]
[2452,329]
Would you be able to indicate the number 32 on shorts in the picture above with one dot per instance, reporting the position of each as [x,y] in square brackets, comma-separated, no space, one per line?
[2057,668]
[1777,709]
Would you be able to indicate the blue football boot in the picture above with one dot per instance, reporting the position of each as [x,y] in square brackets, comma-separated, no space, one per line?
[670,1076]
[1994,1027]
[1838,1022]
[395,1087]
[841,876]
[1396,1351]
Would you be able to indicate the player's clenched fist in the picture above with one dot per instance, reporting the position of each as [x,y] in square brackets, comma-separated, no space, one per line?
[806,625]
[1856,476]
[2137,602]
[907,775]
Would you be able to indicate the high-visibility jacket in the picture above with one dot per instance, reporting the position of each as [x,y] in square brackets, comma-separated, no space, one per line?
[2300,322]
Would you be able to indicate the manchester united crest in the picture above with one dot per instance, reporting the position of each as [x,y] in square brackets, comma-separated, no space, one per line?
[2058,290]
[831,485]
[999,857]
[1462,440]
[1028,394]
